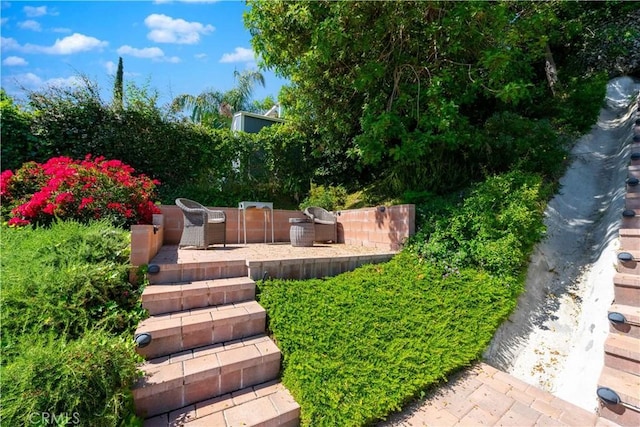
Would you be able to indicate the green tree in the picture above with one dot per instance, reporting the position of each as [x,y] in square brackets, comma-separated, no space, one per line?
[214,108]
[401,91]
[18,143]
[118,91]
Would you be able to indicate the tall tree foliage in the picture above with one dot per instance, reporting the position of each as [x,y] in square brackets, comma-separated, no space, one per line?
[405,89]
[118,86]
[214,108]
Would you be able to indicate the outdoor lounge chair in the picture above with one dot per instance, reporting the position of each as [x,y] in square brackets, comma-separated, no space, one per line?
[325,224]
[202,226]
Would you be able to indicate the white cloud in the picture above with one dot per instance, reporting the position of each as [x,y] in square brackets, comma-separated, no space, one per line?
[165,29]
[13,61]
[64,81]
[153,53]
[30,81]
[69,45]
[30,25]
[111,67]
[61,30]
[147,52]
[74,43]
[200,56]
[7,43]
[4,21]
[33,12]
[240,54]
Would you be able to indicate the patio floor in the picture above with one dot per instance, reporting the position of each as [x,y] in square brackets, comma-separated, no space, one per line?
[170,254]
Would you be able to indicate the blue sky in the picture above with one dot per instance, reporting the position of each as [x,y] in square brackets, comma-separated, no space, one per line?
[175,47]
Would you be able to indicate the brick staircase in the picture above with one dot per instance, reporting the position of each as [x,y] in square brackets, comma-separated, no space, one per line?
[208,361]
[619,382]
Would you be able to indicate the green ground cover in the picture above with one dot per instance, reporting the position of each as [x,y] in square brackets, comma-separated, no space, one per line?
[68,313]
[358,346]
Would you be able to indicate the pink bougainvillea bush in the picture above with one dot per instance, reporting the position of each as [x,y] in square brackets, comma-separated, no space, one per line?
[82,190]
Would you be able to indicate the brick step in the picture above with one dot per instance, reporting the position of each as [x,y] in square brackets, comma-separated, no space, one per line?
[632,200]
[267,404]
[184,330]
[182,379]
[631,267]
[631,314]
[194,271]
[629,239]
[623,353]
[626,386]
[169,298]
[627,289]
[631,222]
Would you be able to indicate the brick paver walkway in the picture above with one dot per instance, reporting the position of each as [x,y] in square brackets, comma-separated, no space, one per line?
[484,396]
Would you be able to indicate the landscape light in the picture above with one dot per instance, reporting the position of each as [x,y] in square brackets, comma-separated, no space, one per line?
[608,396]
[633,181]
[628,213]
[625,256]
[615,317]
[142,340]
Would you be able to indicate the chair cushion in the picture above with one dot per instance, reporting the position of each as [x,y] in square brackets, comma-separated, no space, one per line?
[323,221]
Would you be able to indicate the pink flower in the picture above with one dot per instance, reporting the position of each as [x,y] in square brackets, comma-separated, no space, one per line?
[66,197]
[85,201]
[49,209]
[17,222]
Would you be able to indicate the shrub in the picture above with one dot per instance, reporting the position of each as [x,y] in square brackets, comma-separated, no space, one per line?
[65,279]
[83,382]
[494,228]
[81,190]
[329,198]
[359,345]
[68,316]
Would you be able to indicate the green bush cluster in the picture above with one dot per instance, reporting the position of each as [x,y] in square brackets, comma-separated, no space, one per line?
[330,198]
[360,345]
[68,314]
[214,166]
[493,228]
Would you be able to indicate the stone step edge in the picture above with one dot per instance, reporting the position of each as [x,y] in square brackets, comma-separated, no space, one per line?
[271,395]
[161,299]
[626,385]
[623,346]
[222,311]
[170,290]
[182,331]
[179,369]
[628,280]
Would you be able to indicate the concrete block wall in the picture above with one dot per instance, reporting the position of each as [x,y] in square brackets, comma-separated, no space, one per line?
[258,222]
[384,227]
[381,227]
[146,240]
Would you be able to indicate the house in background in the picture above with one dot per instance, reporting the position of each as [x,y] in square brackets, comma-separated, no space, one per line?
[253,122]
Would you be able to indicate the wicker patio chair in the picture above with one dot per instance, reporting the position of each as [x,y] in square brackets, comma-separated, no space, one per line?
[202,226]
[325,224]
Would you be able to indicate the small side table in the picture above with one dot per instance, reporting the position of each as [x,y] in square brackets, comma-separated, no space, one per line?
[243,206]
[302,232]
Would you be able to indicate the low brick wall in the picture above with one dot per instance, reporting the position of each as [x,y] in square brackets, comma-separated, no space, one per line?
[384,227]
[146,241]
[381,227]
